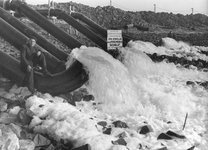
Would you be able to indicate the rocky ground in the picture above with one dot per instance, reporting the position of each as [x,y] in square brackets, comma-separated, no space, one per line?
[14,119]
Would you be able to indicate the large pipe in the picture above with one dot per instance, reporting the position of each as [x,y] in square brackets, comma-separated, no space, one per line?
[90,23]
[94,27]
[22,7]
[62,82]
[29,32]
[17,39]
[60,14]
[9,66]
[97,27]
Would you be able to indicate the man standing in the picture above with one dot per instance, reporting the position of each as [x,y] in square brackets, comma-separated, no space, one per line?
[29,58]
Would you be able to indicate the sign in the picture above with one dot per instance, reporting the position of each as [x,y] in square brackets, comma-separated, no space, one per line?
[114,39]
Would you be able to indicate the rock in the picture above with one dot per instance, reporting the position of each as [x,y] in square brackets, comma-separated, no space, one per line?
[164,136]
[107,131]
[191,148]
[24,91]
[23,117]
[3,106]
[50,147]
[120,141]
[83,91]
[68,98]
[7,118]
[123,135]
[171,133]
[120,124]
[102,123]
[67,145]
[146,129]
[40,140]
[15,110]
[77,96]
[15,89]
[8,139]
[26,135]
[16,129]
[3,93]
[88,97]
[26,144]
[9,96]
[84,147]
[35,121]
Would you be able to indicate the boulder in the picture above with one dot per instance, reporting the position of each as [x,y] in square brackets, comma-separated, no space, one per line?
[171,133]
[7,118]
[164,136]
[8,139]
[26,144]
[16,129]
[120,124]
[3,106]
[23,117]
[146,129]
[40,140]
[84,147]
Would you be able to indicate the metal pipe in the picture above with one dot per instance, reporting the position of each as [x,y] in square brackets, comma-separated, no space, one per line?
[59,83]
[18,39]
[9,65]
[62,36]
[97,27]
[29,32]
[60,14]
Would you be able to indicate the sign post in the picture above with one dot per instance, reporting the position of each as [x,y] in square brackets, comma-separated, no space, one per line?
[114,39]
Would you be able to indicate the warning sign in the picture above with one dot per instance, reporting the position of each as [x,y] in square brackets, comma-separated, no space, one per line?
[114,39]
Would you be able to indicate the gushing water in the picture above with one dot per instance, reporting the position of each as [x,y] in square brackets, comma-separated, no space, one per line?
[154,90]
[109,81]
[162,84]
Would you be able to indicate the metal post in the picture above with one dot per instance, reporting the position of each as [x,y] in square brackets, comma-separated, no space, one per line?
[155,8]
[49,7]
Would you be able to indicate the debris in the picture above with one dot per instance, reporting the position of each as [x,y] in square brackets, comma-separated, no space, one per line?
[185,121]
[146,129]
[26,144]
[7,118]
[171,133]
[120,124]
[3,106]
[120,141]
[40,140]
[164,136]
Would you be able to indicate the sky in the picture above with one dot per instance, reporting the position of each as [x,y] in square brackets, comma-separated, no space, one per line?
[174,6]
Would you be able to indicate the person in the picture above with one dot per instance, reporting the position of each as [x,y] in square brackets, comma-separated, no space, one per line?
[29,58]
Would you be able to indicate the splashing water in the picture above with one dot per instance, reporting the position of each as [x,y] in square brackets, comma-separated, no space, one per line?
[139,82]
[163,84]
[173,44]
[109,81]
[146,92]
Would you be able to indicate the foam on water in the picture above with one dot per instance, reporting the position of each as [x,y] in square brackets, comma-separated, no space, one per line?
[162,84]
[157,91]
[109,81]
[173,44]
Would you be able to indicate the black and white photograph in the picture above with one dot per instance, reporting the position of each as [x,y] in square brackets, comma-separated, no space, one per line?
[103,74]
